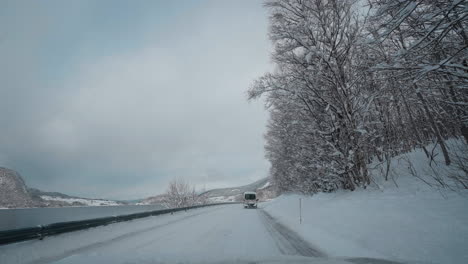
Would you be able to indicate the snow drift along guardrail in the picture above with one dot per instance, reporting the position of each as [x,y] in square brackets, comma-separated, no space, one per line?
[39,232]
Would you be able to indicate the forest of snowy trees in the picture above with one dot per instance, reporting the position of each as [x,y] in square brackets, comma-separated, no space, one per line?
[357,81]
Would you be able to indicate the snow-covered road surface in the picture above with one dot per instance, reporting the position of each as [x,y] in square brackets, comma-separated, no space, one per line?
[287,241]
[226,233]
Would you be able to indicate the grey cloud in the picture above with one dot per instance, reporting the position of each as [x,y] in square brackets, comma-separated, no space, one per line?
[122,125]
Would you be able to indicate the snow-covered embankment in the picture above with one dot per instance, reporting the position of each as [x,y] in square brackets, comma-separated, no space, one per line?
[410,222]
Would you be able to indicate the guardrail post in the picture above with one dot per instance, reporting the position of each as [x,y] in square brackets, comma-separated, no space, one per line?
[40,233]
[300,211]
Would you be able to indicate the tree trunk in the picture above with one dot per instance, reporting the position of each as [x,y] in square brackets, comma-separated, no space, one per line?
[413,125]
[440,140]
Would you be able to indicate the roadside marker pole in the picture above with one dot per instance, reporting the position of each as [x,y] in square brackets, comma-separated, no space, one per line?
[300,210]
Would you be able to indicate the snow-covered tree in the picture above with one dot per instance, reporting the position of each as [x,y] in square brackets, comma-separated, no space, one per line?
[319,81]
[424,45]
[181,194]
[354,83]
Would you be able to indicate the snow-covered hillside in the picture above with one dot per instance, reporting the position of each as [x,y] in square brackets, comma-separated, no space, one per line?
[80,201]
[157,199]
[14,193]
[235,193]
[402,218]
[263,187]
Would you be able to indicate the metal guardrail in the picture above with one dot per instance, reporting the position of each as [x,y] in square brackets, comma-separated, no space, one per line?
[39,232]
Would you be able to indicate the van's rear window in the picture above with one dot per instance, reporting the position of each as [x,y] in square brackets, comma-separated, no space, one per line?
[250,196]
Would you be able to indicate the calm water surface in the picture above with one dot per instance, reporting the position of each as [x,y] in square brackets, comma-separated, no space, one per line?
[29,217]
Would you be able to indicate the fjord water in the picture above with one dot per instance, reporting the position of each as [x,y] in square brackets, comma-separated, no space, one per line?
[30,217]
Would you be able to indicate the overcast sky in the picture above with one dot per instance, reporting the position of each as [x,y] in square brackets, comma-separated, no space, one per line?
[113,99]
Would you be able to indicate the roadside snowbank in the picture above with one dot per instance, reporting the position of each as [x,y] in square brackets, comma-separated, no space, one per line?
[410,222]
[425,227]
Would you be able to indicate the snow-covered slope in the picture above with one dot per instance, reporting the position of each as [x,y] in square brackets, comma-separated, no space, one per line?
[14,193]
[263,187]
[402,218]
[60,199]
[235,193]
[157,199]
[80,201]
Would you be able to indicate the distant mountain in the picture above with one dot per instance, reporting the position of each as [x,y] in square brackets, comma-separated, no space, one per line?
[263,187]
[158,199]
[14,193]
[53,199]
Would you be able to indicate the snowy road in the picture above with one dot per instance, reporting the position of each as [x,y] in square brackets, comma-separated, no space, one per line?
[207,235]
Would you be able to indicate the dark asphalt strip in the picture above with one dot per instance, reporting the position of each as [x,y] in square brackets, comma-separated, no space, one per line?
[288,241]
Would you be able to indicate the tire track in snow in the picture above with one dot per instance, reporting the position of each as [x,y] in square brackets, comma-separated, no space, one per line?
[108,241]
[288,242]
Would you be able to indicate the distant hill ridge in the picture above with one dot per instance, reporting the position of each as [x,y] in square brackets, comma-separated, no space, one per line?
[231,194]
[236,190]
[14,193]
[263,187]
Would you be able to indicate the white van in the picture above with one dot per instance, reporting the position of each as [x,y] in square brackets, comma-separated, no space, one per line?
[250,200]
